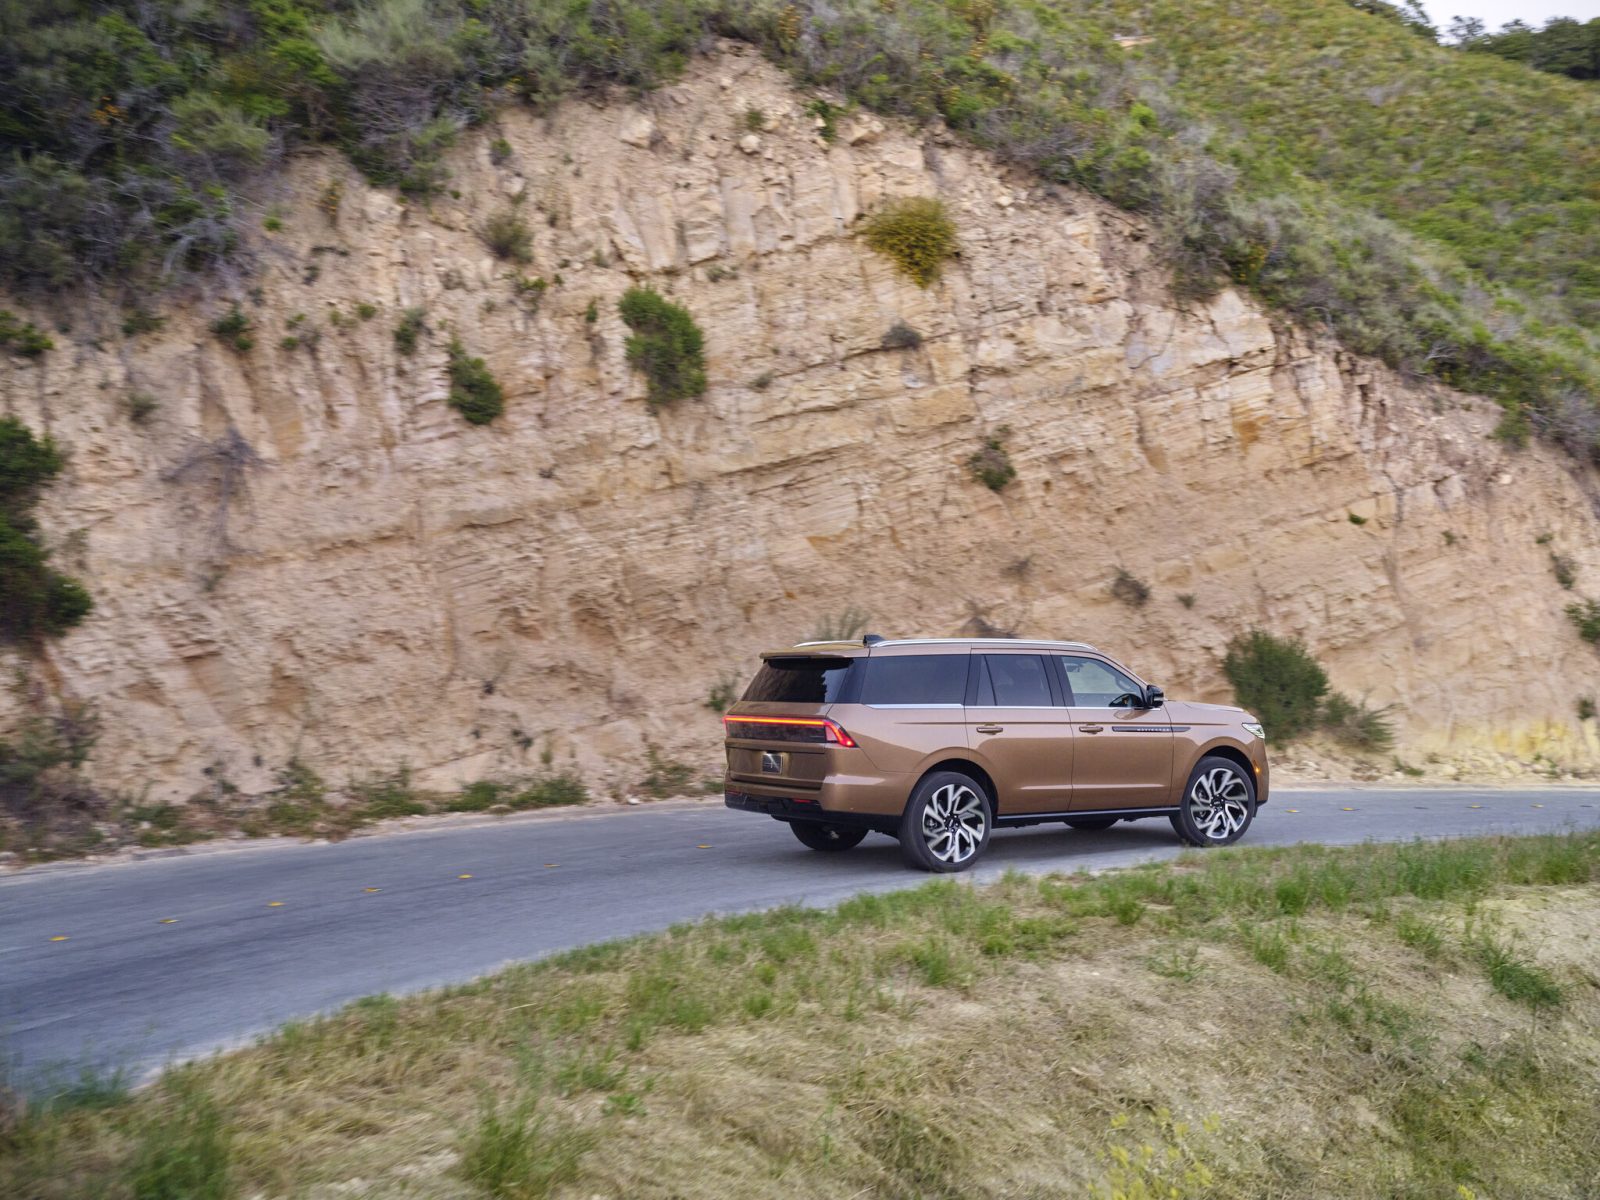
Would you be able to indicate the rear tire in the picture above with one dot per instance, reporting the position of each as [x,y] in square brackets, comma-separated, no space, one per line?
[1092,822]
[947,823]
[1219,802]
[820,835]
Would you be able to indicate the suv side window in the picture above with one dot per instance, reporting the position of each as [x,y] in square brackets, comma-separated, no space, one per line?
[1094,684]
[1013,681]
[915,679]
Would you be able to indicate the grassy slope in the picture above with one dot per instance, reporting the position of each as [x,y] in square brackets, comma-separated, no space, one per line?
[1372,1021]
[1494,160]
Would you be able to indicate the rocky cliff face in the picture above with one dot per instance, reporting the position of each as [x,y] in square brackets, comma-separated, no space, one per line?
[305,552]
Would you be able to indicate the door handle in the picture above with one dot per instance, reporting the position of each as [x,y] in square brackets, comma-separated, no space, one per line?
[1090,728]
[991,728]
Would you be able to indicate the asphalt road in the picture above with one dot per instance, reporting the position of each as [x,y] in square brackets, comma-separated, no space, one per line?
[128,965]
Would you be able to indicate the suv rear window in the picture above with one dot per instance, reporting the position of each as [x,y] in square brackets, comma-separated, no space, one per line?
[915,679]
[806,679]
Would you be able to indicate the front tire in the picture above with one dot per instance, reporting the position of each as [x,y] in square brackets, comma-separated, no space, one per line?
[1219,802]
[946,824]
[820,835]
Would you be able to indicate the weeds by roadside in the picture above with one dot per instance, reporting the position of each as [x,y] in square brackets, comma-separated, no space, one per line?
[301,806]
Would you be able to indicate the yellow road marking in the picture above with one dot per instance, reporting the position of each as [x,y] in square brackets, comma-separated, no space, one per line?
[60,937]
[1538,806]
[463,876]
[1474,806]
[1347,810]
[274,903]
[552,864]
[371,889]
[1291,810]
[169,920]
[702,846]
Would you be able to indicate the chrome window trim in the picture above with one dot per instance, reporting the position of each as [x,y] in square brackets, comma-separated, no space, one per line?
[913,706]
[1013,643]
[1014,708]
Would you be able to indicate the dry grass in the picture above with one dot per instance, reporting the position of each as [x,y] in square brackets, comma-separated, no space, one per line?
[1259,1022]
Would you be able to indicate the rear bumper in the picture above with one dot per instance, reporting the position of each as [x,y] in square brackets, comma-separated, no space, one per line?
[798,808]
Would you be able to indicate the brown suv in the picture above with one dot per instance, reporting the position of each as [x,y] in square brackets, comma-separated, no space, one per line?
[937,741]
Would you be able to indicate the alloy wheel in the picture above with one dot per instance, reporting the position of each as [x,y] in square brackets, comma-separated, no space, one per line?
[1219,803]
[953,823]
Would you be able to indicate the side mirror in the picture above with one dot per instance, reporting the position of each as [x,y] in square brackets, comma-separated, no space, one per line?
[1154,697]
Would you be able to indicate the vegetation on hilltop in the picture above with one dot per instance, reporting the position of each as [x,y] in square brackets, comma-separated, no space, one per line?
[1561,45]
[1431,206]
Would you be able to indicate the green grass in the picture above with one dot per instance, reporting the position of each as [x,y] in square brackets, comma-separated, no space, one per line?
[888,1045]
[513,1153]
[182,1151]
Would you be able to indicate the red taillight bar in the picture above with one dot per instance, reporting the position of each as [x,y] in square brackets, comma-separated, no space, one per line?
[831,730]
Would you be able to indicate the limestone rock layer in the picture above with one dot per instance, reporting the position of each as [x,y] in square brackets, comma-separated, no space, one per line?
[305,552]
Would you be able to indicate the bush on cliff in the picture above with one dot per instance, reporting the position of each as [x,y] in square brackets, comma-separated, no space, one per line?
[35,600]
[474,393]
[916,234]
[666,345]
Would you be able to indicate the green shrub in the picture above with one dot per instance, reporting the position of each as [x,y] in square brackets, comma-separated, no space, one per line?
[901,336]
[1357,726]
[508,237]
[827,117]
[846,625]
[139,321]
[666,345]
[24,337]
[473,391]
[1565,571]
[1585,708]
[1278,681]
[666,777]
[366,310]
[383,796]
[140,406]
[1129,589]
[723,693]
[991,465]
[410,327]
[233,328]
[530,292]
[915,234]
[551,791]
[39,601]
[1585,617]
